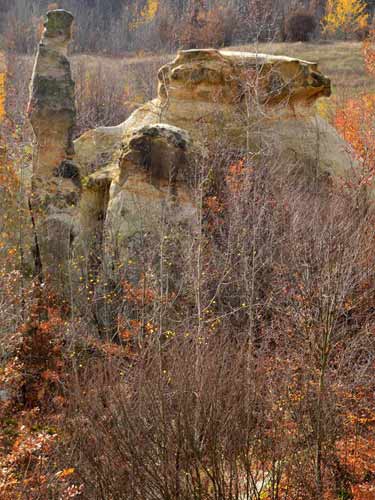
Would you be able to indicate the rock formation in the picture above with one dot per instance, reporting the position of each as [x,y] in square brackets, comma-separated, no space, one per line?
[56,179]
[237,95]
[135,173]
[152,165]
[243,98]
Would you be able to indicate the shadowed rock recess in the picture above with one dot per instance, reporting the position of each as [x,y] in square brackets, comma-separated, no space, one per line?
[133,173]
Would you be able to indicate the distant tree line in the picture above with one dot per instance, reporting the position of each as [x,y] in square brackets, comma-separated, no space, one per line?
[120,26]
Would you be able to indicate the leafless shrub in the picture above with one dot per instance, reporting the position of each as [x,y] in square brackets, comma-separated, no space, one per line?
[238,388]
[215,28]
[183,424]
[100,93]
[19,70]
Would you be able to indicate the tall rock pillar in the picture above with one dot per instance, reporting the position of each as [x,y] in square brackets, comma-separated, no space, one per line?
[55,181]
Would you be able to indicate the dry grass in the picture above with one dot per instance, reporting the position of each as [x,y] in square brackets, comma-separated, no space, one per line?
[109,89]
[341,61]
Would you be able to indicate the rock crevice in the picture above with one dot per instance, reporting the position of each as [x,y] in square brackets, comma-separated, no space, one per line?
[124,179]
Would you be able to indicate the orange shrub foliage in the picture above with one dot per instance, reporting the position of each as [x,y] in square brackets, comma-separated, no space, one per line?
[2,96]
[236,175]
[355,123]
[2,87]
[355,120]
[34,379]
[369,53]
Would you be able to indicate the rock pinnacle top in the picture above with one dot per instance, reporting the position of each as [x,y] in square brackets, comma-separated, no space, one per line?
[58,24]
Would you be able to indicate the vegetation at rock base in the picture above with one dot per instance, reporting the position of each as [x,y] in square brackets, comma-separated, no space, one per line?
[233,360]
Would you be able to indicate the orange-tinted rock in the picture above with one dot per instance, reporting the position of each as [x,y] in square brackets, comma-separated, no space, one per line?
[55,179]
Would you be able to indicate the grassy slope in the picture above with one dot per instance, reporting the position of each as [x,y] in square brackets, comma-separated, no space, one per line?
[341,61]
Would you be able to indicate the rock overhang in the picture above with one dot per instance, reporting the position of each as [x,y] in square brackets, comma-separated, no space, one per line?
[223,76]
[124,179]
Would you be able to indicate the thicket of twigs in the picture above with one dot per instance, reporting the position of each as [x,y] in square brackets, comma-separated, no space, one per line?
[234,364]
[119,27]
[231,361]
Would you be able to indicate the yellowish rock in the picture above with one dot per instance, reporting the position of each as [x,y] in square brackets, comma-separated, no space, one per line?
[137,173]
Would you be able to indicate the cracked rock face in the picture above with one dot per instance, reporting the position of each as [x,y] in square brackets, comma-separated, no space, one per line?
[240,96]
[148,185]
[123,181]
[141,167]
[56,184]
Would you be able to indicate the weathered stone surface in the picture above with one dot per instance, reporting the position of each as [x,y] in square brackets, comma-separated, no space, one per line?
[153,165]
[135,170]
[134,175]
[56,184]
[243,97]
[312,142]
[220,78]
[148,185]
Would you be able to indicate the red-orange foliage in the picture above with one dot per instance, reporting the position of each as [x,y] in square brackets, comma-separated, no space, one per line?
[40,356]
[355,121]
[369,53]
[34,380]
[139,295]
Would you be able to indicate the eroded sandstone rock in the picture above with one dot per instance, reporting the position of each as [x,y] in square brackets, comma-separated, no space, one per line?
[243,97]
[249,101]
[200,85]
[56,184]
[136,174]
[222,76]
[149,185]
[154,169]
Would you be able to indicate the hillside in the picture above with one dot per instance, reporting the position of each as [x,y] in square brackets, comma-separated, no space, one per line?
[342,62]
[187,265]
